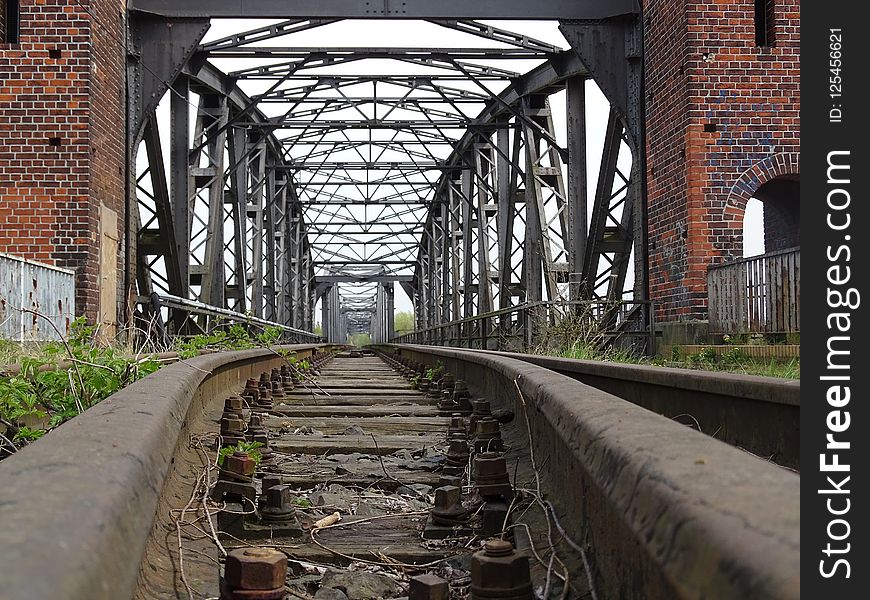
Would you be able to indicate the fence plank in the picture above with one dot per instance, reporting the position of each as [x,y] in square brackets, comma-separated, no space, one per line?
[760,294]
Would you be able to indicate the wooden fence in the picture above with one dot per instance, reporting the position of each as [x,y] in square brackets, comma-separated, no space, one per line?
[760,294]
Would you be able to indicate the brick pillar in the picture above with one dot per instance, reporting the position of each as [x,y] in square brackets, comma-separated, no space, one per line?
[62,146]
[722,120]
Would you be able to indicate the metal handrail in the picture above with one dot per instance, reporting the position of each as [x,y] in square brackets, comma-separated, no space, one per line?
[463,332]
[199,308]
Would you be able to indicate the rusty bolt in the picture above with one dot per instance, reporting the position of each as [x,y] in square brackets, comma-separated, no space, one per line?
[428,587]
[251,391]
[279,506]
[445,404]
[461,396]
[448,380]
[487,436]
[239,463]
[268,482]
[232,424]
[265,399]
[448,509]
[490,475]
[255,569]
[480,410]
[457,457]
[456,429]
[449,480]
[233,404]
[498,571]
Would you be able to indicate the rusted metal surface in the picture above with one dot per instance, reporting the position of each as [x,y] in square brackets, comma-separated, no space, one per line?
[428,587]
[254,573]
[107,469]
[761,294]
[669,512]
[498,571]
[28,290]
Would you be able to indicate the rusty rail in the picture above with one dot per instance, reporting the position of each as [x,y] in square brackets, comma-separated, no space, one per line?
[77,505]
[665,511]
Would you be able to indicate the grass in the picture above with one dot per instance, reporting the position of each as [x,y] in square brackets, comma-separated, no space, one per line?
[12,353]
[578,338]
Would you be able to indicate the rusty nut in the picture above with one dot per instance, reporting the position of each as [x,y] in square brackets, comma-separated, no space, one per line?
[255,569]
[240,464]
[499,572]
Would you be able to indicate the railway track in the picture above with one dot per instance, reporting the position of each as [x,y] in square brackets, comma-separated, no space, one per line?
[588,489]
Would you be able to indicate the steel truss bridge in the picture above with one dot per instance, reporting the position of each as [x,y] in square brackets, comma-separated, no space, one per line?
[325,181]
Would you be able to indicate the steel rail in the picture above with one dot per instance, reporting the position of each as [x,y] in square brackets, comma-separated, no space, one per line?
[665,511]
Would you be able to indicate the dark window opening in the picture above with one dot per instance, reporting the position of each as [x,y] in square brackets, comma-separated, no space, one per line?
[764,23]
[10,21]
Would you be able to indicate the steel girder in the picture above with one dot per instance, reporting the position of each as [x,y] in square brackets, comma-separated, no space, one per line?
[407,9]
[352,185]
[226,227]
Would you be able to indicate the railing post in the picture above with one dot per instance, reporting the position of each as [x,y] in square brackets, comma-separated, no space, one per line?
[484,330]
[527,328]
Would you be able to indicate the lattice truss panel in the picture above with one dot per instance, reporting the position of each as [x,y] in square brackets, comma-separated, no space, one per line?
[278,172]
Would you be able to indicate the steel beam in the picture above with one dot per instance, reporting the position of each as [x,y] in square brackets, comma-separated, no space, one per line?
[577,189]
[379,9]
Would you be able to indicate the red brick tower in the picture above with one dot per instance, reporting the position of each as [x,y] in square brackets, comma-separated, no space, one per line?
[62,143]
[723,102]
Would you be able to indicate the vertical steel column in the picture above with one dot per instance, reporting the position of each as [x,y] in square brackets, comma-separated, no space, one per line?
[457,271]
[445,255]
[391,309]
[485,210]
[325,324]
[295,266]
[577,189]
[533,249]
[213,114]
[179,181]
[255,210]
[467,244]
[272,214]
[437,267]
[238,196]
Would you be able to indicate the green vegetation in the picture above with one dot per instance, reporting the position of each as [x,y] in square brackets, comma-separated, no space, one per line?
[360,339]
[249,448]
[735,360]
[433,372]
[403,322]
[578,337]
[732,361]
[235,337]
[59,380]
[40,396]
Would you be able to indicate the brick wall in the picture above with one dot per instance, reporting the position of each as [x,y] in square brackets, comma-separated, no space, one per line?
[62,137]
[722,119]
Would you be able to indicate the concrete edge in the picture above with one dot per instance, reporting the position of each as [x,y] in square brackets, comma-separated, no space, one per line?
[688,516]
[77,506]
[752,387]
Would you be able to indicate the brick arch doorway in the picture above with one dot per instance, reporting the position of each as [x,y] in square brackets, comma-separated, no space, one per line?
[775,184]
